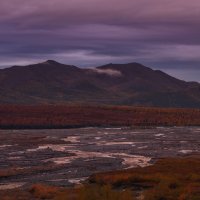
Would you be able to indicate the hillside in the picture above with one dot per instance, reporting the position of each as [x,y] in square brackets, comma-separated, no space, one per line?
[119,84]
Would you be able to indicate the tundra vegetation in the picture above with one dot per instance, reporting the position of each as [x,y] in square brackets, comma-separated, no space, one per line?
[73,116]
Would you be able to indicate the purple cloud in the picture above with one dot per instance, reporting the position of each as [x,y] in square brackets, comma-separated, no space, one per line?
[160,34]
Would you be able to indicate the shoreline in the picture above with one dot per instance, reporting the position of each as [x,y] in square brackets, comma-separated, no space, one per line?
[175,175]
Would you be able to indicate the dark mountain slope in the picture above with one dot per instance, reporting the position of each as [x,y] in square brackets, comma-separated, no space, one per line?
[125,84]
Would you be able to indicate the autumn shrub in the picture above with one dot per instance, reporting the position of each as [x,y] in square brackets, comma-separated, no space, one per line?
[69,116]
[43,191]
[103,193]
[191,192]
[167,179]
[165,190]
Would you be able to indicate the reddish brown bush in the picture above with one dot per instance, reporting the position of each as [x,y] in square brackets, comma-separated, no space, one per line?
[69,116]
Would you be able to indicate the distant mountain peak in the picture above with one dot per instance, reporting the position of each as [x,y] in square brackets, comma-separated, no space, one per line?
[51,62]
[121,84]
[126,65]
[129,69]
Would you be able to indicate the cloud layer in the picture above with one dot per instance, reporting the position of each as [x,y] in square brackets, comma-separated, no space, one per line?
[161,34]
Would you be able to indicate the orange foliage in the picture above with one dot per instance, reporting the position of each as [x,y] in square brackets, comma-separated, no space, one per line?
[70,116]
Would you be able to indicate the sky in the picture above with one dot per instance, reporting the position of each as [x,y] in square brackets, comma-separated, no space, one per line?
[162,34]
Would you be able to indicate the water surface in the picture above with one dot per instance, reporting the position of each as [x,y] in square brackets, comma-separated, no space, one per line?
[66,157]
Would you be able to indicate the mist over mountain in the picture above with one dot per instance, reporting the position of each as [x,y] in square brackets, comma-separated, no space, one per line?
[51,82]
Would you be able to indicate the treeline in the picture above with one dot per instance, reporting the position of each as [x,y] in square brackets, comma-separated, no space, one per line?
[71,116]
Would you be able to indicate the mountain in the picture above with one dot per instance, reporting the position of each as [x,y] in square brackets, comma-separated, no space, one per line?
[121,84]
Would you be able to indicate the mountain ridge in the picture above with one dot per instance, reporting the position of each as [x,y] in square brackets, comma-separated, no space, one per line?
[51,82]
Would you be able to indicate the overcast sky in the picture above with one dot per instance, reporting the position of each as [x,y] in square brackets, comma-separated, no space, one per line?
[162,34]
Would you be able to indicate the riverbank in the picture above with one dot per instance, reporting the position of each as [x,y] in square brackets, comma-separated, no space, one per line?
[169,178]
